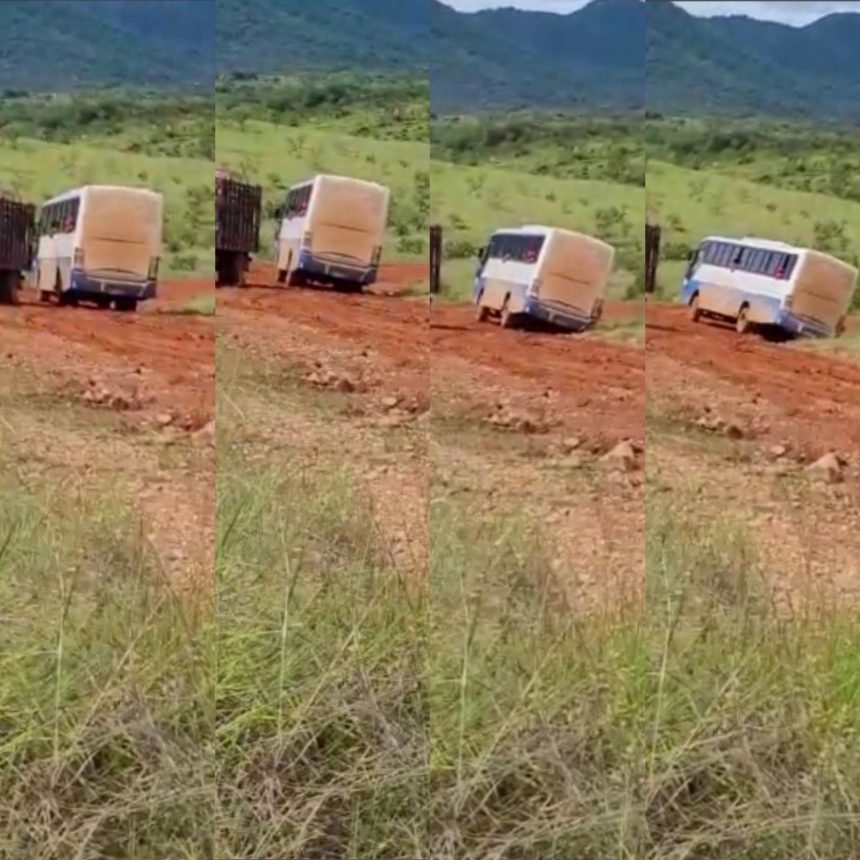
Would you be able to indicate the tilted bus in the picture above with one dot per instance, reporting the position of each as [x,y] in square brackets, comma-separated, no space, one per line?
[757,282]
[100,243]
[546,273]
[331,229]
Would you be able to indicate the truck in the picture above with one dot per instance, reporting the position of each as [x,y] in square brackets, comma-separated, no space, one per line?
[17,234]
[238,210]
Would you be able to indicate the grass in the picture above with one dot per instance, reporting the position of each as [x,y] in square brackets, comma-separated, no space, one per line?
[38,170]
[106,696]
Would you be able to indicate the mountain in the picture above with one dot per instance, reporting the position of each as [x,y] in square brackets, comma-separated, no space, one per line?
[292,35]
[508,58]
[63,45]
[736,64]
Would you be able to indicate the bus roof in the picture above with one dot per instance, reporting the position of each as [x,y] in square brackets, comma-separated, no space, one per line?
[337,178]
[543,230]
[76,192]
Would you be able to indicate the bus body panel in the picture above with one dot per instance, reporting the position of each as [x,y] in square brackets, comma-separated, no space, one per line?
[340,234]
[111,249]
[563,286]
[573,272]
[811,300]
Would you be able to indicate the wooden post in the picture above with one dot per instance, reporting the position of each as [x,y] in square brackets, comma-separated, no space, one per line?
[652,256]
[435,260]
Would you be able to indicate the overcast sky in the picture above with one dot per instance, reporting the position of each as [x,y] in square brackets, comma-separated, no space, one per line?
[786,11]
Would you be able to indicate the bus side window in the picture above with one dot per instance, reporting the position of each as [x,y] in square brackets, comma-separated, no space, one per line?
[790,260]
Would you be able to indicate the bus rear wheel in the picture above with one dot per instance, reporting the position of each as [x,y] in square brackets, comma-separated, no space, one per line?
[695,310]
[125,304]
[102,302]
[480,312]
[742,323]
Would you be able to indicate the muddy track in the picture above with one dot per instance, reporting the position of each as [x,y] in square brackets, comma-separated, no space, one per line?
[595,387]
[809,399]
[172,351]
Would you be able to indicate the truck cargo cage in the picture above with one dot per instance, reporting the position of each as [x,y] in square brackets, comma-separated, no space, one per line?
[17,244]
[238,213]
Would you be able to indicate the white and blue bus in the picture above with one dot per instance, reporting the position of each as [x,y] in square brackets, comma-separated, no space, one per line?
[757,282]
[331,229]
[546,273]
[100,243]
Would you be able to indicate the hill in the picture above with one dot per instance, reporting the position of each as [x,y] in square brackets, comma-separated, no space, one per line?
[61,46]
[501,58]
[329,35]
[736,64]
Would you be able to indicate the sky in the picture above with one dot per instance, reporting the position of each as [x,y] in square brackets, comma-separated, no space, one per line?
[796,12]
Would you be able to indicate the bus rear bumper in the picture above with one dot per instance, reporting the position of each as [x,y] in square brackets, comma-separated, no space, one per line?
[88,284]
[802,327]
[567,319]
[326,270]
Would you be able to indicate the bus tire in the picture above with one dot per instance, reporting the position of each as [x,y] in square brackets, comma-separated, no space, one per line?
[282,276]
[695,310]
[481,312]
[742,323]
[102,302]
[505,316]
[45,296]
[125,304]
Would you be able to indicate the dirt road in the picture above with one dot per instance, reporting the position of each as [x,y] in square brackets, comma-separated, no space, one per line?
[159,360]
[778,392]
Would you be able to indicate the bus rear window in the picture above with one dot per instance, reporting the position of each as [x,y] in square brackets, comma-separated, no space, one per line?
[523,249]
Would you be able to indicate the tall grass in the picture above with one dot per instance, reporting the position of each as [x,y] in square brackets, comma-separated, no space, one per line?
[105,688]
[321,699]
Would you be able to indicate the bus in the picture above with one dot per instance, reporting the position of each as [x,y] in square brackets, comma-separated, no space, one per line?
[771,285]
[100,243]
[331,230]
[546,273]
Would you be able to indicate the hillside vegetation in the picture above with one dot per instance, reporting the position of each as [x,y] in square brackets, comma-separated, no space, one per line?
[281,35]
[141,138]
[61,46]
[738,65]
[824,158]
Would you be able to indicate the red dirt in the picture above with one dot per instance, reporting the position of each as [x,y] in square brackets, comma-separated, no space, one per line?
[585,385]
[596,388]
[811,400]
[168,357]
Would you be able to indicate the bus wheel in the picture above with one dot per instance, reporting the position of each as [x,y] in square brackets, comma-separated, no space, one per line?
[102,302]
[45,296]
[481,312]
[505,316]
[125,304]
[695,311]
[742,323]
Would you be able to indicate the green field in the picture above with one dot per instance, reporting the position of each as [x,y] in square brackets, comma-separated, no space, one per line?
[279,156]
[690,204]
